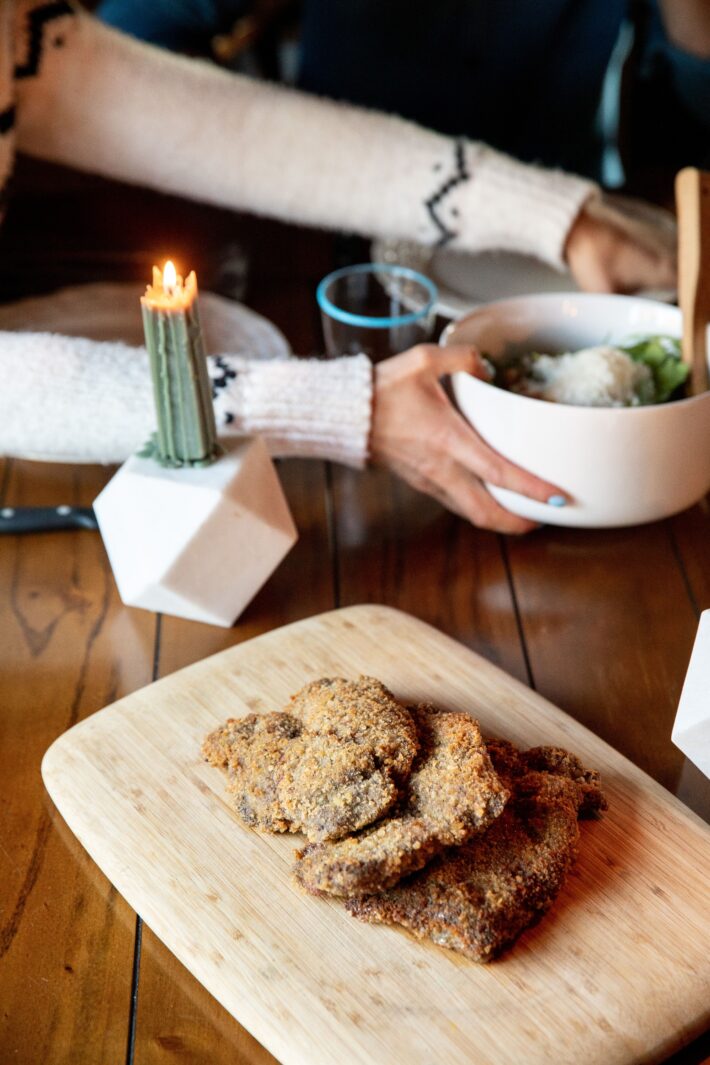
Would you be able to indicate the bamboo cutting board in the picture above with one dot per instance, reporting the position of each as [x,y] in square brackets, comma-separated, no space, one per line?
[619,971]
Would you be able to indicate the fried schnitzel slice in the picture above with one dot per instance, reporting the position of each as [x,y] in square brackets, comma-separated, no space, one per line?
[364,711]
[329,787]
[478,898]
[452,793]
[251,750]
[328,771]
[511,763]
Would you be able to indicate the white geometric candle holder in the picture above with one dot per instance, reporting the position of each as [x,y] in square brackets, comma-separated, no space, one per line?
[198,543]
[691,731]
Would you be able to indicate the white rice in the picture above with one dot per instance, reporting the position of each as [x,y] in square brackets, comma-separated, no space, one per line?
[593,377]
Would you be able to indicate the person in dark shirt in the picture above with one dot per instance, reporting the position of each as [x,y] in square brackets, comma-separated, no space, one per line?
[524,76]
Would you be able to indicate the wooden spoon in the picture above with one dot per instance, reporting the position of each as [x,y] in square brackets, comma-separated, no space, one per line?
[692,191]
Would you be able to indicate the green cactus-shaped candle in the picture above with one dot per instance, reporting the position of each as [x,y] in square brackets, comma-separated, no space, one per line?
[186,433]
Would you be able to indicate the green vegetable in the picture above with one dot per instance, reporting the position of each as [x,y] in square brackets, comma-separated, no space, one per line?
[662,356]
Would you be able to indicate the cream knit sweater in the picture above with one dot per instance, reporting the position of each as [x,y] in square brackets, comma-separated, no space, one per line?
[75,92]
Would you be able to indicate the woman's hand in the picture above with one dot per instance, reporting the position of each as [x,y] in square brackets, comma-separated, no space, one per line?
[607,253]
[418,434]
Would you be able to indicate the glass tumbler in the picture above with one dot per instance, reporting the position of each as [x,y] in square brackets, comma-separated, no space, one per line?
[379,309]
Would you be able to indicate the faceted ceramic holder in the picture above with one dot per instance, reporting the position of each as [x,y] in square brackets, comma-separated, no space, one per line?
[197,543]
[691,731]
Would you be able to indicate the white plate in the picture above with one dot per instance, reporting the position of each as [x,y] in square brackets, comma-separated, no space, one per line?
[465,280]
[108,311]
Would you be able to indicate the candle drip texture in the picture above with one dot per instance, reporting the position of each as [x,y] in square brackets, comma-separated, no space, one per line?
[186,433]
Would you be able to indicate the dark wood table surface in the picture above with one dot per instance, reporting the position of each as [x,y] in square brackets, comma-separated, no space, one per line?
[600,622]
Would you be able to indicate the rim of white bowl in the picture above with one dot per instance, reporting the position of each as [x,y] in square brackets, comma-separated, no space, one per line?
[557,297]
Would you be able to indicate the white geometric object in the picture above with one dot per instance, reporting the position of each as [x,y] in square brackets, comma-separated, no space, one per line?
[691,731]
[196,542]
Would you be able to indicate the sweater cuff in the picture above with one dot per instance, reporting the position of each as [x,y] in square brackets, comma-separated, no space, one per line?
[511,206]
[308,408]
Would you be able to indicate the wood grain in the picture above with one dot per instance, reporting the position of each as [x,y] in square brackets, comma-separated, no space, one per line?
[68,646]
[692,189]
[609,627]
[66,228]
[176,1014]
[618,973]
[691,535]
[402,549]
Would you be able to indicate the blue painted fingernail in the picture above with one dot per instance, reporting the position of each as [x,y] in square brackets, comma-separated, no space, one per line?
[557,501]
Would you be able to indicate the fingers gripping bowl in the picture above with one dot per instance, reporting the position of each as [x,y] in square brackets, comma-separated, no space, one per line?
[620,465]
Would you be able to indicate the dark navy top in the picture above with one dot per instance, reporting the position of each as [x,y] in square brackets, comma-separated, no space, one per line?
[523,75]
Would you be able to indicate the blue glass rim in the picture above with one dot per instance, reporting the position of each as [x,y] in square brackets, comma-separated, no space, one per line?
[367,321]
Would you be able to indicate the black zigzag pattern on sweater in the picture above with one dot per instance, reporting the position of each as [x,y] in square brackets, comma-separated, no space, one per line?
[436,200]
[37,20]
[223,377]
[7,119]
[219,382]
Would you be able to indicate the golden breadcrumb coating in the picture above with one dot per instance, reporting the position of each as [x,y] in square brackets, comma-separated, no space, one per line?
[251,750]
[364,711]
[453,792]
[327,768]
[478,898]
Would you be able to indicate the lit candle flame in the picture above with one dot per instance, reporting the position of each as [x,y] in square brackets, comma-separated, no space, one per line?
[168,291]
[169,277]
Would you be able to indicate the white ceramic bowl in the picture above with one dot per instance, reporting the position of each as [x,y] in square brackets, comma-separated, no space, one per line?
[622,466]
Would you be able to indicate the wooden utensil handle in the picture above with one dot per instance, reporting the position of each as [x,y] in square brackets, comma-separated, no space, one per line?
[692,190]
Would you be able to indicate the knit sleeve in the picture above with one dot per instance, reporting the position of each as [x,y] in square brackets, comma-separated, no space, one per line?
[92,98]
[68,399]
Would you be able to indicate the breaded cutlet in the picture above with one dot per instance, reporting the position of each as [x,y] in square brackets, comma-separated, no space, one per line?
[250,750]
[452,793]
[478,898]
[327,768]
[364,711]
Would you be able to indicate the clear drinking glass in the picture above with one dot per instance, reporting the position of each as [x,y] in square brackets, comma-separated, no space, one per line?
[376,308]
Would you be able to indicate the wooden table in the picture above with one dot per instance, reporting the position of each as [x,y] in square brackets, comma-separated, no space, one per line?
[601,623]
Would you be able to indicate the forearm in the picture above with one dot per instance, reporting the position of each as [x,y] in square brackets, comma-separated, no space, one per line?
[105,103]
[68,399]
[687,23]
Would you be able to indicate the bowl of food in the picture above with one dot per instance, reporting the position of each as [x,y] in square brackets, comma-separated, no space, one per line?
[588,391]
